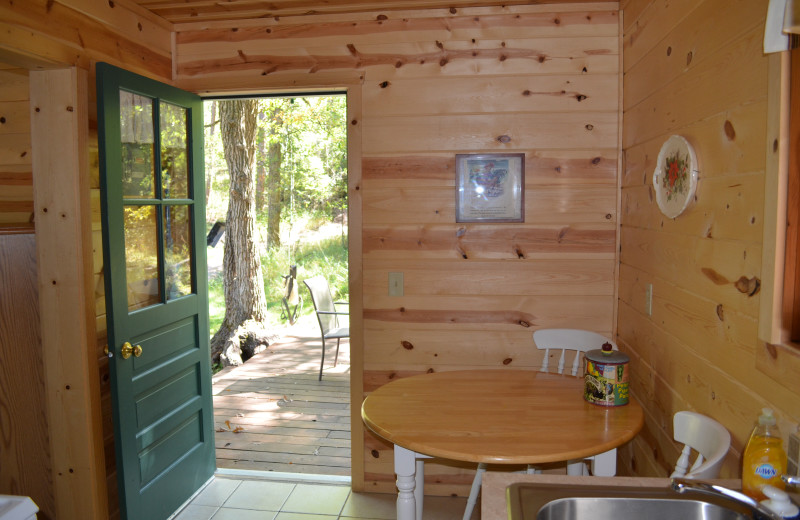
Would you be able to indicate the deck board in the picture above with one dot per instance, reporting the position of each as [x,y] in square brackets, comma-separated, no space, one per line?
[272,414]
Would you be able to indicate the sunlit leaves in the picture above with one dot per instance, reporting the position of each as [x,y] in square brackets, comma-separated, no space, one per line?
[313,136]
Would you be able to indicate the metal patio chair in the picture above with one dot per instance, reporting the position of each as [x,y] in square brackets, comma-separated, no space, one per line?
[327,315]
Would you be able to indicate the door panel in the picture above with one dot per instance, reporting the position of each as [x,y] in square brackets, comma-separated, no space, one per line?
[153,205]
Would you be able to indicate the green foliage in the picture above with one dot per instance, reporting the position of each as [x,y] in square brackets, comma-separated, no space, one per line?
[217,178]
[312,134]
[216,291]
[326,256]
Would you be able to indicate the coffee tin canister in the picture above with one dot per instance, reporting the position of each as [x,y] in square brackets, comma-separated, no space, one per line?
[606,377]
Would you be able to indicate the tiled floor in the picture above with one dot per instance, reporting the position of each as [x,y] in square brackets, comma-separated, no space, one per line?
[233,498]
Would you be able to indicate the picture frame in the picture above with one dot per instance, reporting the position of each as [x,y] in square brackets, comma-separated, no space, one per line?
[490,187]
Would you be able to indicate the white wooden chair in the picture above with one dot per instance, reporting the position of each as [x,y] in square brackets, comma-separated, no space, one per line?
[327,315]
[562,340]
[703,435]
[575,343]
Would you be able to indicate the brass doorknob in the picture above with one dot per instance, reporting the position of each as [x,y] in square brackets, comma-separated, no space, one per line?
[127,350]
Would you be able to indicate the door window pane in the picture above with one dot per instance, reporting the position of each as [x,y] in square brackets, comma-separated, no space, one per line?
[177,251]
[141,256]
[174,156]
[136,131]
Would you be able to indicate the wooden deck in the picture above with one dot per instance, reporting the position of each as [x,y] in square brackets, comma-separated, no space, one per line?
[272,414]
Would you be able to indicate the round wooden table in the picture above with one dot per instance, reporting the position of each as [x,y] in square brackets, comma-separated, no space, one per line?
[494,416]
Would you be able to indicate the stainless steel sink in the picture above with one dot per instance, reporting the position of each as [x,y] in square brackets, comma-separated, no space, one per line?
[528,501]
[634,508]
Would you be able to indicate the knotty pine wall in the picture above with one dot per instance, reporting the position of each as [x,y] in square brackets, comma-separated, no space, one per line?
[696,68]
[44,34]
[24,437]
[16,181]
[434,83]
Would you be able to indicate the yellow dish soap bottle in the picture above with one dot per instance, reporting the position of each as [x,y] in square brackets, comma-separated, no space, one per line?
[764,459]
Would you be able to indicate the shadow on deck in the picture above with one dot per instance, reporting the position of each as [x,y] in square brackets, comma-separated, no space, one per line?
[272,414]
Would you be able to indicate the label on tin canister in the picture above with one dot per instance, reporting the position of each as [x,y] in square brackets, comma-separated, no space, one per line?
[606,384]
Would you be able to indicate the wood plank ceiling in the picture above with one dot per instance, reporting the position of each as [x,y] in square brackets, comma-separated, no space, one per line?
[187,11]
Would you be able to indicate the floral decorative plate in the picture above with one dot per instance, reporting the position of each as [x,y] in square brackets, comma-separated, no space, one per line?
[675,177]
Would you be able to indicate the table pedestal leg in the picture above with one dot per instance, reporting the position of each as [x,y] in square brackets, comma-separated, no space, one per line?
[575,467]
[405,468]
[605,464]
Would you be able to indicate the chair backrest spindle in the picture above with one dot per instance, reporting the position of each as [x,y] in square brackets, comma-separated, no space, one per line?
[704,435]
[579,341]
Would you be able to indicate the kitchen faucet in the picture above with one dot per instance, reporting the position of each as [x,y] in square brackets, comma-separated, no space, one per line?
[758,511]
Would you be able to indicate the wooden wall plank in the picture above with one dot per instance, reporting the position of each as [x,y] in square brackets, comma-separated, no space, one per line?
[488,56]
[397,242]
[14,117]
[401,11]
[544,205]
[732,209]
[541,277]
[548,27]
[714,269]
[355,255]
[45,34]
[234,13]
[533,310]
[435,84]
[392,345]
[15,149]
[491,64]
[14,83]
[16,178]
[59,127]
[477,133]
[55,34]
[541,167]
[15,218]
[680,51]
[572,149]
[647,23]
[699,349]
[557,93]
[25,447]
[130,20]
[708,89]
[730,143]
[675,378]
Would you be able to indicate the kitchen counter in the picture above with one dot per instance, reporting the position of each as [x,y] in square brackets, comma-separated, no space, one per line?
[493,489]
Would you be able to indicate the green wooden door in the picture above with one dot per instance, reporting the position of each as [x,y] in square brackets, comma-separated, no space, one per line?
[153,213]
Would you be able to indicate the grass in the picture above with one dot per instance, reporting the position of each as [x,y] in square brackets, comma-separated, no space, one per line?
[326,256]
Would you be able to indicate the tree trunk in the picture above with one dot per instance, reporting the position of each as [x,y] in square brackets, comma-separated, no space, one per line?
[274,191]
[245,301]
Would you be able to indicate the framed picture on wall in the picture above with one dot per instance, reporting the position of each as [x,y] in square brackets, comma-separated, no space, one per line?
[490,187]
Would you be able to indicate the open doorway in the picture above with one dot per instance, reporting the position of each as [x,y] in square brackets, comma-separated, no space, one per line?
[272,413]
